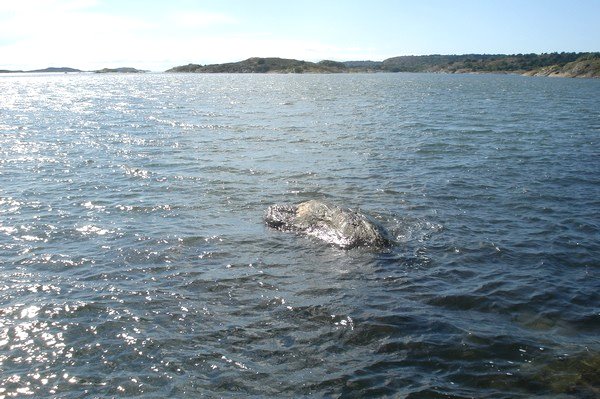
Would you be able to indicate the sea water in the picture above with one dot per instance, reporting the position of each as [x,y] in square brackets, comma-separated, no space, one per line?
[134,260]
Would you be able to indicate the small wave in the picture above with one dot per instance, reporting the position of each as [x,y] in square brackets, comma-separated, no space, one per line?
[144,208]
[405,229]
[91,206]
[136,172]
[90,229]
[186,125]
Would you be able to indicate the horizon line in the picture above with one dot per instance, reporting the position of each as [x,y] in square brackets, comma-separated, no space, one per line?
[41,70]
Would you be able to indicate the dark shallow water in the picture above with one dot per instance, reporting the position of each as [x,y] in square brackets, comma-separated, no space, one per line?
[134,261]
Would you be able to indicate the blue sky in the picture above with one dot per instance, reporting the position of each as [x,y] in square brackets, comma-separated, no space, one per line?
[157,35]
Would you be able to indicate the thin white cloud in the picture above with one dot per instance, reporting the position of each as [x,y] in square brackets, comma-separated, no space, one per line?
[40,33]
[37,34]
[16,6]
[201,19]
[63,21]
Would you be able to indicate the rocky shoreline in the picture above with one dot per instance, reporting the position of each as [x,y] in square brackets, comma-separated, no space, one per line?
[584,65]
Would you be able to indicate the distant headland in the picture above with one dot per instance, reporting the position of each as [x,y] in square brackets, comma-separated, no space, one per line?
[74,70]
[581,65]
[51,69]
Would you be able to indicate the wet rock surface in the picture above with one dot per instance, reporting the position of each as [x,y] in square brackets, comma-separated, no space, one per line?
[335,225]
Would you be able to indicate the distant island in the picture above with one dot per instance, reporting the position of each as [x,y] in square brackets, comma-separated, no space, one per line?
[72,70]
[583,65]
[50,69]
[120,70]
[57,69]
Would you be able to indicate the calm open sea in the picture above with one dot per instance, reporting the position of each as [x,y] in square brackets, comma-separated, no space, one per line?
[134,260]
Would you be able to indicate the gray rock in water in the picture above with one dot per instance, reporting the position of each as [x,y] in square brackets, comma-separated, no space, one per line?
[339,226]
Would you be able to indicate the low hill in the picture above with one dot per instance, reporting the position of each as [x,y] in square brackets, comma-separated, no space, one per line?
[366,65]
[583,67]
[50,69]
[57,69]
[265,65]
[547,64]
[119,70]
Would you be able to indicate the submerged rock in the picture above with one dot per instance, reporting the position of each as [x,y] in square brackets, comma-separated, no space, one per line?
[342,227]
[576,375]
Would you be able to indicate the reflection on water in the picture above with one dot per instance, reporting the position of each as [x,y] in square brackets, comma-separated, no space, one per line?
[134,260]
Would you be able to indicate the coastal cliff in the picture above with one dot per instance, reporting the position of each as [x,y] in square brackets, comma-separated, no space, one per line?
[585,67]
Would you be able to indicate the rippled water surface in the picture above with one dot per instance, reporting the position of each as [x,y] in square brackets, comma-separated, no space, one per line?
[134,260]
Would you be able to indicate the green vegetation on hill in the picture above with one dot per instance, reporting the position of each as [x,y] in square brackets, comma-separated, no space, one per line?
[57,69]
[50,69]
[119,70]
[584,67]
[265,65]
[490,63]
[367,65]
[547,64]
